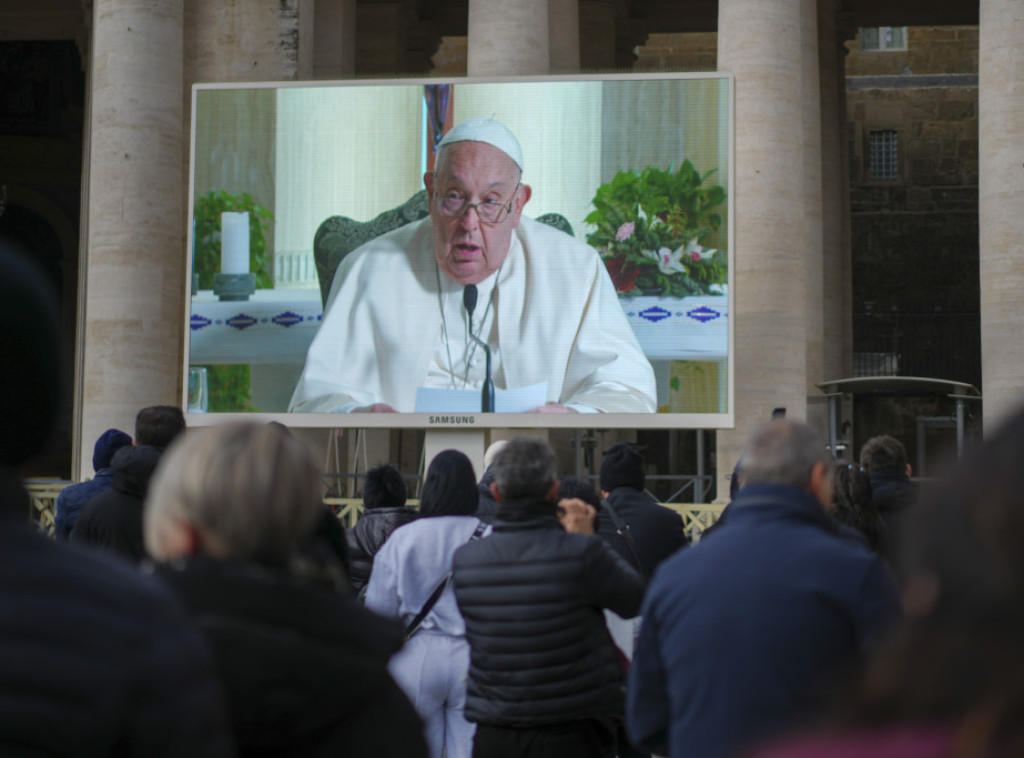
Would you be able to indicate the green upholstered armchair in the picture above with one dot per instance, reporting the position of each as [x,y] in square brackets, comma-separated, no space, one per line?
[338,236]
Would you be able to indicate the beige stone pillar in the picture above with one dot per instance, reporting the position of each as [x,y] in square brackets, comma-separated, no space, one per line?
[133,288]
[523,38]
[564,36]
[810,87]
[254,41]
[334,39]
[760,44]
[837,305]
[1000,200]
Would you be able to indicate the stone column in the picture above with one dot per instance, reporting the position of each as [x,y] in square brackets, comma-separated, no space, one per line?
[523,38]
[133,288]
[760,44]
[810,86]
[1000,199]
[837,358]
[255,41]
[564,36]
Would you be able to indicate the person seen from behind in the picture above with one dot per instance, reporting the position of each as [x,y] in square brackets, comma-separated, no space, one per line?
[304,666]
[411,581]
[384,510]
[950,682]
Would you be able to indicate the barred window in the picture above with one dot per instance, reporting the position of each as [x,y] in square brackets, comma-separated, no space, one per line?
[884,156]
[883,38]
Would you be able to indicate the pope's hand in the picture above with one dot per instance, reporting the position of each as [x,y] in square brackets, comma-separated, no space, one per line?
[576,515]
[375,408]
[552,408]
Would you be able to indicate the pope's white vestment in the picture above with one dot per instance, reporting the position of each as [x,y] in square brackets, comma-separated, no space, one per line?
[550,314]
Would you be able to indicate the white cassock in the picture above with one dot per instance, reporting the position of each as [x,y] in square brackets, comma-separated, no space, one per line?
[550,314]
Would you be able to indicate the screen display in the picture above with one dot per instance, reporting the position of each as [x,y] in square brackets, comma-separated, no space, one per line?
[425,253]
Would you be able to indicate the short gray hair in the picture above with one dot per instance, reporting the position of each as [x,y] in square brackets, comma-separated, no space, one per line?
[525,468]
[783,452]
[252,491]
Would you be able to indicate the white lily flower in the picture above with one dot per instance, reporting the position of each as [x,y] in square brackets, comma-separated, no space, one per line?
[669,261]
[698,253]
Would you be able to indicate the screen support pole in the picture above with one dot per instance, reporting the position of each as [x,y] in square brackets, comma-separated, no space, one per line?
[472,442]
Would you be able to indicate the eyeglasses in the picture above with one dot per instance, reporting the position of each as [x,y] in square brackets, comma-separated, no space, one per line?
[490,211]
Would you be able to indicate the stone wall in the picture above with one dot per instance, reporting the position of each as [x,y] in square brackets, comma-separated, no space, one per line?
[696,51]
[915,238]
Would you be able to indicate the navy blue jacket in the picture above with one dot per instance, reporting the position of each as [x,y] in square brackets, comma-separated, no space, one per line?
[73,497]
[745,631]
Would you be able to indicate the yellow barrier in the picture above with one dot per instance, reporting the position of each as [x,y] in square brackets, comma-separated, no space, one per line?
[43,495]
[696,516]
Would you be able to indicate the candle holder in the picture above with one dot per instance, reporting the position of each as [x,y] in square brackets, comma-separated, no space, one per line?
[234,286]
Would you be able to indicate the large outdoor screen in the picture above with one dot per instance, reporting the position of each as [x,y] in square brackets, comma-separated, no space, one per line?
[585,265]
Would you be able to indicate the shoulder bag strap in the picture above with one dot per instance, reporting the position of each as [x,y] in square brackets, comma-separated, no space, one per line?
[622,529]
[414,625]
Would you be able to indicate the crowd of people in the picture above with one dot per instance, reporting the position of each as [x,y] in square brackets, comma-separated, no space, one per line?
[199,598]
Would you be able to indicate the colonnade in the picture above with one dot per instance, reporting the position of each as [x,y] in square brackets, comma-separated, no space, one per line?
[792,296]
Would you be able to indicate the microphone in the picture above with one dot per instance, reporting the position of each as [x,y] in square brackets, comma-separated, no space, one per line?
[469,297]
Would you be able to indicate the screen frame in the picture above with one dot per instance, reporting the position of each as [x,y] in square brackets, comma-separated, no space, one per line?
[482,421]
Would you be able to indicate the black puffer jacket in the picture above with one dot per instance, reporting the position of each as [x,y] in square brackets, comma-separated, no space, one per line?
[365,538]
[532,597]
[305,668]
[113,519]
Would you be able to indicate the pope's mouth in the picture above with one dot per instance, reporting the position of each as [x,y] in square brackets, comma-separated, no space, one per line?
[464,252]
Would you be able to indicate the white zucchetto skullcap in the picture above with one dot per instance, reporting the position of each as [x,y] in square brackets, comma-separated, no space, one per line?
[489,131]
[492,452]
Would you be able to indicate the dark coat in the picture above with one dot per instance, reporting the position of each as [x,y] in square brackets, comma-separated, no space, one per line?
[532,596]
[743,632]
[71,499]
[894,496]
[97,659]
[657,531]
[304,666]
[370,532]
[113,519]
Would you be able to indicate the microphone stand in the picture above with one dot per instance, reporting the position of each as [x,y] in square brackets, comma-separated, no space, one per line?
[469,296]
[487,393]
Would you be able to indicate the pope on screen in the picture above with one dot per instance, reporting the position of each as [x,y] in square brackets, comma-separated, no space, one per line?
[397,319]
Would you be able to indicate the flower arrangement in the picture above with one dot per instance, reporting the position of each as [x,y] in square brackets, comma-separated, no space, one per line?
[651,229]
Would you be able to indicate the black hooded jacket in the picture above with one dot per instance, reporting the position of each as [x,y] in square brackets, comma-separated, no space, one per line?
[532,596]
[95,658]
[305,668]
[113,519]
[368,535]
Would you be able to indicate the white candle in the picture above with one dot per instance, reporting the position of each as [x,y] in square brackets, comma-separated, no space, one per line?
[234,243]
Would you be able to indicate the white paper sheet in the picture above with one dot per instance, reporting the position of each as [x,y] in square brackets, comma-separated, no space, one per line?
[441,400]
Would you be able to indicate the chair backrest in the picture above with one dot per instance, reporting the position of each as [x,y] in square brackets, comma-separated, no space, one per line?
[338,236]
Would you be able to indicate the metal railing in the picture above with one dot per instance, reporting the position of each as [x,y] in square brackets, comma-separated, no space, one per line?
[939,345]
[43,495]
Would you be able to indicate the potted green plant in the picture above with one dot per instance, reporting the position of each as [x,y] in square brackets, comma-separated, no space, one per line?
[651,228]
[229,384]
